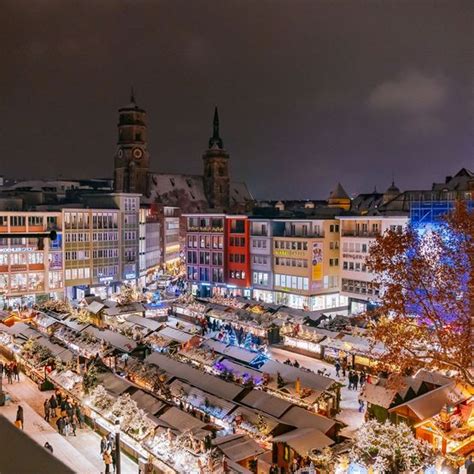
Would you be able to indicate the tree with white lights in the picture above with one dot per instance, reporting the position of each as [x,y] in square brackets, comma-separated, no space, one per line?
[390,448]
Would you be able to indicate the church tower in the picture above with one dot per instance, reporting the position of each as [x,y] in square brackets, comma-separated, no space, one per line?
[132,160]
[216,170]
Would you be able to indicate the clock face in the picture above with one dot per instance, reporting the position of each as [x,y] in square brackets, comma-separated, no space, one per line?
[137,153]
[120,153]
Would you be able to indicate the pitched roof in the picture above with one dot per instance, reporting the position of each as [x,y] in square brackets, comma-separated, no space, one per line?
[304,440]
[338,193]
[267,403]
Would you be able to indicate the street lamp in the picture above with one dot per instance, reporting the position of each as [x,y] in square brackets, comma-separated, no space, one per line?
[117,447]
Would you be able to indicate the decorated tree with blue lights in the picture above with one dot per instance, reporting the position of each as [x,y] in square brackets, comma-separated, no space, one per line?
[426,276]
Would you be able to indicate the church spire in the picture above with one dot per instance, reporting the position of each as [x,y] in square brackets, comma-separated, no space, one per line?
[216,140]
[132,95]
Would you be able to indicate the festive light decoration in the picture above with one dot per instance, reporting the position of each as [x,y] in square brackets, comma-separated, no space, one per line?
[388,448]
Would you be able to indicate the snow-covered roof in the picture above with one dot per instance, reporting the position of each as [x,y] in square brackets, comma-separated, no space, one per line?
[113,383]
[115,339]
[147,402]
[319,383]
[267,403]
[234,352]
[430,404]
[239,370]
[304,440]
[378,395]
[206,382]
[175,334]
[181,420]
[148,323]
[238,447]
[20,330]
[301,418]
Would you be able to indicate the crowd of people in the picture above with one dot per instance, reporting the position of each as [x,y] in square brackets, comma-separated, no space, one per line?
[108,451]
[67,412]
[11,371]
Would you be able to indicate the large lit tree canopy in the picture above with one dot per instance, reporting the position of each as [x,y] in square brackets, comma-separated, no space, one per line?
[390,448]
[426,277]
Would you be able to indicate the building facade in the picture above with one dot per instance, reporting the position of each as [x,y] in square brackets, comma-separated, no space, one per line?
[358,233]
[237,255]
[30,268]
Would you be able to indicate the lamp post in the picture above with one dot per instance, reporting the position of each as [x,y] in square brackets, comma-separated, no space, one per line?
[117,447]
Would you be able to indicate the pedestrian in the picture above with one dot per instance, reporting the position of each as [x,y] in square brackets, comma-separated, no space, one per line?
[73,424]
[107,461]
[53,404]
[361,405]
[103,445]
[79,415]
[9,374]
[60,425]
[47,409]
[48,447]
[113,455]
[19,420]
[59,399]
[337,365]
[1,369]
[350,376]
[355,380]
[362,379]
[344,367]
[16,372]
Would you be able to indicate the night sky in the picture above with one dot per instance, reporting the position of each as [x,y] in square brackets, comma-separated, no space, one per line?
[309,92]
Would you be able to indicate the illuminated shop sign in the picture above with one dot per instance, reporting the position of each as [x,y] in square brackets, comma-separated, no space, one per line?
[106,279]
[290,253]
[18,249]
[130,276]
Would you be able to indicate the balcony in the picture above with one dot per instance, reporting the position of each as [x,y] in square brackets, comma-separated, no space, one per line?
[205,229]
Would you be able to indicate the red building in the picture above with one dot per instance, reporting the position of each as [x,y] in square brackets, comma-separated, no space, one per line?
[237,268]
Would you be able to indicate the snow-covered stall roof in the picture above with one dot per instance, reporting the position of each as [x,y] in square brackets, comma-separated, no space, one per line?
[113,384]
[147,402]
[125,309]
[175,334]
[74,324]
[148,323]
[115,339]
[240,370]
[238,447]
[378,395]
[197,398]
[195,377]
[267,403]
[301,418]
[181,420]
[20,330]
[303,440]
[234,352]
[319,383]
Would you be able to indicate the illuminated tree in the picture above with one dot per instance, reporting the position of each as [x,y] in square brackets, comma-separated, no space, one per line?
[390,448]
[426,277]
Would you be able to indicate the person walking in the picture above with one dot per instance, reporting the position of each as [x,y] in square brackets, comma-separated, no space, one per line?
[362,379]
[107,460]
[104,444]
[9,374]
[355,380]
[47,409]
[16,372]
[53,404]
[79,415]
[60,425]
[350,377]
[337,366]
[1,369]
[19,420]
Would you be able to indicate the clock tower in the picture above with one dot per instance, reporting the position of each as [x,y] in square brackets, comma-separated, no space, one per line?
[132,160]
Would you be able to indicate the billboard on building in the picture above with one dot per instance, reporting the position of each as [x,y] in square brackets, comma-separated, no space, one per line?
[317,261]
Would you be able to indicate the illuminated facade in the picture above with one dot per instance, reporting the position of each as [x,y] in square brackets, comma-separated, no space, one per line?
[358,233]
[29,268]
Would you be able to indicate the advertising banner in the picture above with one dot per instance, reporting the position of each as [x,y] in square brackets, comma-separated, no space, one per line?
[317,261]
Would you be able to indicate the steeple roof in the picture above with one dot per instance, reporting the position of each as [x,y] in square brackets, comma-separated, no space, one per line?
[393,189]
[338,193]
[216,141]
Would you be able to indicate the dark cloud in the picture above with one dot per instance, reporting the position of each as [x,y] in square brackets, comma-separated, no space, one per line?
[310,92]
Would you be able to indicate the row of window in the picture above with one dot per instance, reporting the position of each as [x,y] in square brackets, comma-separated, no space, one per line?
[205,274]
[130,235]
[260,278]
[260,259]
[29,282]
[354,266]
[206,242]
[291,262]
[259,244]
[205,222]
[237,241]
[205,258]
[354,247]
[77,273]
[22,258]
[290,245]
[237,257]
[20,221]
[105,271]
[237,275]
[77,237]
[361,287]
[293,282]
[333,262]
